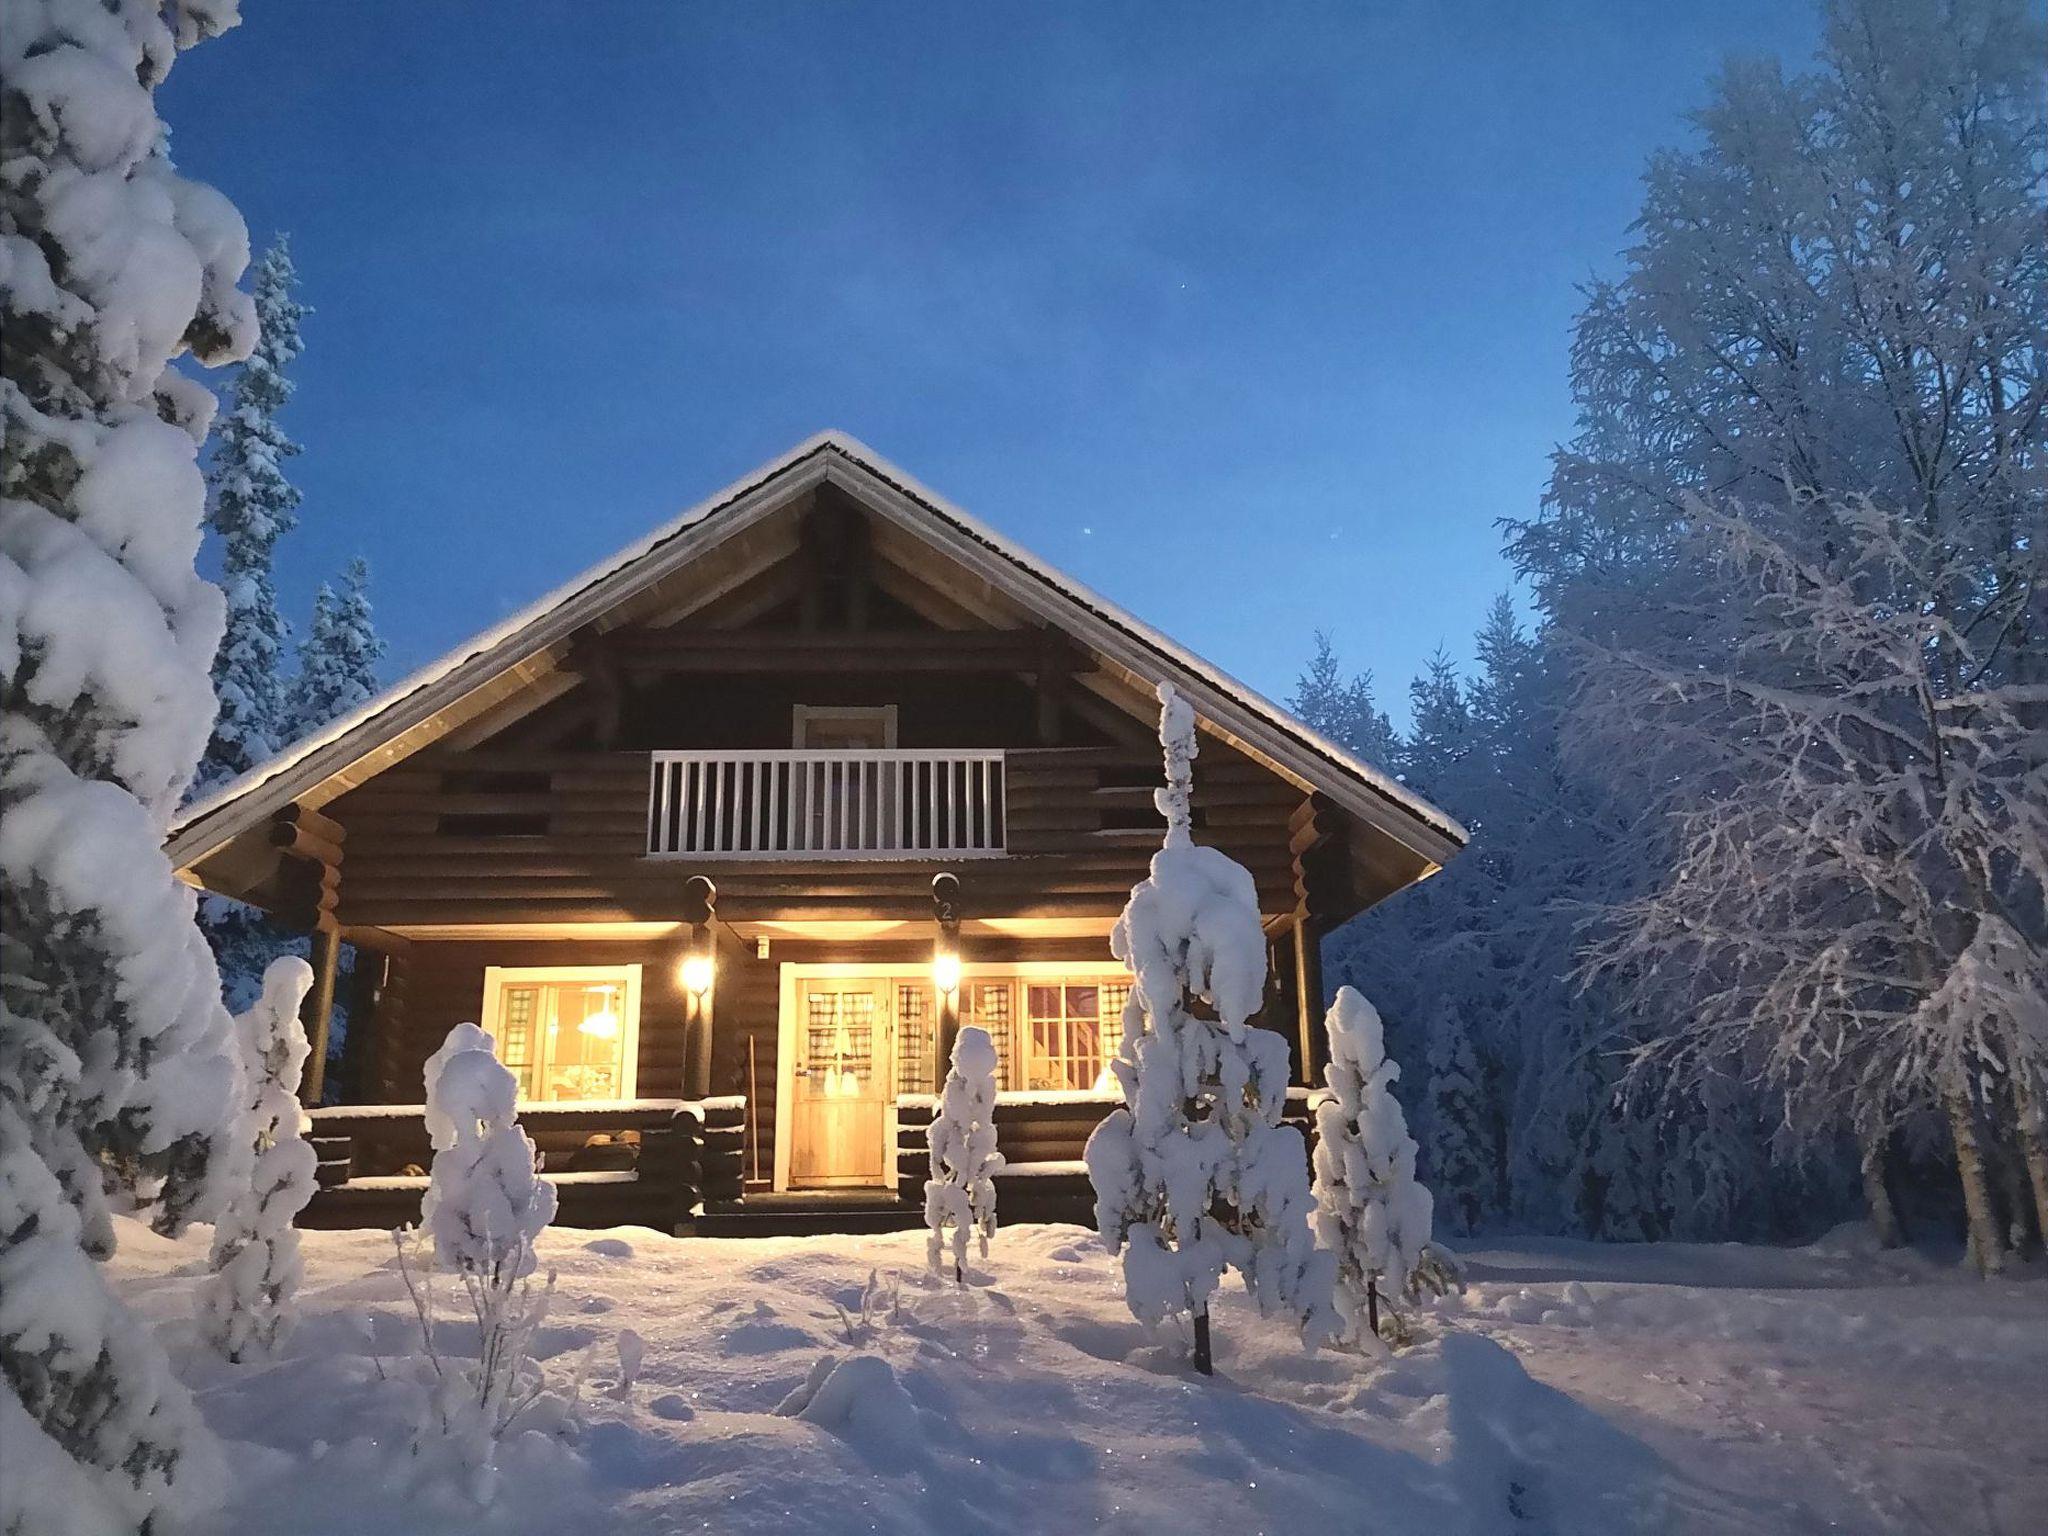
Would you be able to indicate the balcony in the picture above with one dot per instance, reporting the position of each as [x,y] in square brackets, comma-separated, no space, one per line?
[826,805]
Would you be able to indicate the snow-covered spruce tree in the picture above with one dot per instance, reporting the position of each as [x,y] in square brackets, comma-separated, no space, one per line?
[960,1196]
[1195,1173]
[118,1073]
[245,1306]
[338,659]
[1458,1126]
[485,1207]
[1370,1211]
[1343,709]
[252,506]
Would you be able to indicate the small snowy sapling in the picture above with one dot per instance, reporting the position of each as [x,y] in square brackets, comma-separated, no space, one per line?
[485,1207]
[1370,1211]
[960,1196]
[245,1304]
[1195,1173]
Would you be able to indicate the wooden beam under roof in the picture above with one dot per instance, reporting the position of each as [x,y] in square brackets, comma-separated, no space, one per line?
[729,651]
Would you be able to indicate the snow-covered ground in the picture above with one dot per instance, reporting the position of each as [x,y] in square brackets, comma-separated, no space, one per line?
[1590,1388]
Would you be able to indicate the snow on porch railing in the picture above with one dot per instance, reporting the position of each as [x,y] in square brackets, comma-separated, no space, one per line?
[825,805]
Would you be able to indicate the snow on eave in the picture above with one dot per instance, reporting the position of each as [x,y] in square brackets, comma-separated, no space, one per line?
[208,824]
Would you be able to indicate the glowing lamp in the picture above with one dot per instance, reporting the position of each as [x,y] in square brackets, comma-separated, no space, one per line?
[696,973]
[603,1024]
[946,971]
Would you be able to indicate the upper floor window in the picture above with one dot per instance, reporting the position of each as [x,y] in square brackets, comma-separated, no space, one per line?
[837,728]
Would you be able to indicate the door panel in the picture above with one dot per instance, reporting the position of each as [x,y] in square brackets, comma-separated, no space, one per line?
[841,1084]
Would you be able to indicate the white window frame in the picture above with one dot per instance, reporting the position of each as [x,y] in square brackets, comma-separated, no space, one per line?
[802,715]
[627,977]
[1018,971]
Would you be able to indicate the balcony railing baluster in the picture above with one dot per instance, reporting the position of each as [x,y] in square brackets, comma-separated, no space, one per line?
[825,805]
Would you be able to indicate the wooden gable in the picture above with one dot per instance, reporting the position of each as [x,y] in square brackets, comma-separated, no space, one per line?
[825,580]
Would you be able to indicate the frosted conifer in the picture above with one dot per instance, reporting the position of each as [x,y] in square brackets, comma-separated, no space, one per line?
[117,1063]
[245,1306]
[960,1196]
[252,506]
[1462,1165]
[338,661]
[1195,1173]
[1370,1211]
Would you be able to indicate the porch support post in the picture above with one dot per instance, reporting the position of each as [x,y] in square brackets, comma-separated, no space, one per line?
[946,1000]
[1051,686]
[318,1009]
[700,911]
[1308,992]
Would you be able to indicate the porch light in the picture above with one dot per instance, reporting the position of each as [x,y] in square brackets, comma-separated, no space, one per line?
[946,970]
[696,973]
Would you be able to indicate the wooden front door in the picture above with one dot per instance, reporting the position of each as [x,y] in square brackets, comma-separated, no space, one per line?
[842,1084]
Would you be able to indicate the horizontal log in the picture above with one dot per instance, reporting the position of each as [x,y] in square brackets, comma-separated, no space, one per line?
[770,651]
[983,898]
[312,822]
[453,802]
[303,842]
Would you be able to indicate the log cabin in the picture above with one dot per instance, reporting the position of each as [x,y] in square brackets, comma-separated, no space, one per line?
[724,839]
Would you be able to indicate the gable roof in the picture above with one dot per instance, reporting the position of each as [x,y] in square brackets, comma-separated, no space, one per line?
[400,720]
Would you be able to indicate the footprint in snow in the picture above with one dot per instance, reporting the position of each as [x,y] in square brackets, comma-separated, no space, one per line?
[609,1248]
[673,1407]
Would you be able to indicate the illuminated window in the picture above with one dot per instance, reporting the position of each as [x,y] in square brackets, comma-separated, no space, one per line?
[1071,1032]
[987,1004]
[569,1033]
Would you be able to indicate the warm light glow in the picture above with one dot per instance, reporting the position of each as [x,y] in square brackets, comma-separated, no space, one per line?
[603,1024]
[946,971]
[695,973]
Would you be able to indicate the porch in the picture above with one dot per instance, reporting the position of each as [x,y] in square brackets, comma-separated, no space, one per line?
[679,1166]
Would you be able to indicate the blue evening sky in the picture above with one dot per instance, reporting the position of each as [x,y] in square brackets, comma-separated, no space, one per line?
[1252,316]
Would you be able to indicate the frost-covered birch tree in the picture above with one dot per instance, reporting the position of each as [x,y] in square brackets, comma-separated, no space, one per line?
[1797,544]
[253,505]
[245,1306]
[1195,1174]
[960,1195]
[118,1073]
[1858,916]
[1371,1212]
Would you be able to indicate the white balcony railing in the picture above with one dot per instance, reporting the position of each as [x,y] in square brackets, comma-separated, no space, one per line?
[825,805]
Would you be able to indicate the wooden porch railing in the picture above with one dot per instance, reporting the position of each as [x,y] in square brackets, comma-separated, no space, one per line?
[687,1156]
[826,805]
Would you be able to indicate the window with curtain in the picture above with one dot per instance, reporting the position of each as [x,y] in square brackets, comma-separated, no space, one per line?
[568,1035]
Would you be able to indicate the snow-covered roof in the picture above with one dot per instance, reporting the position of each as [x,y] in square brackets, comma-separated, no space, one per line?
[1237,711]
